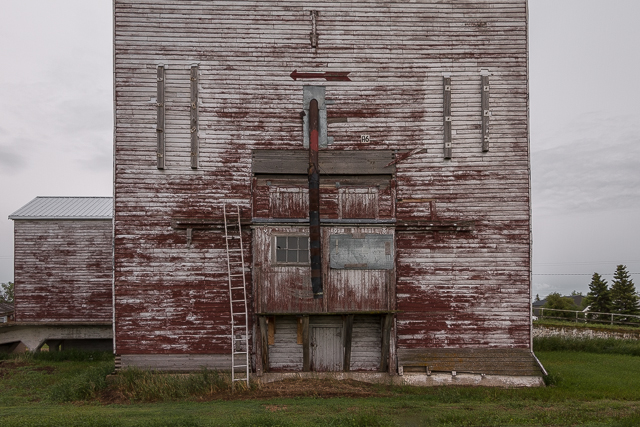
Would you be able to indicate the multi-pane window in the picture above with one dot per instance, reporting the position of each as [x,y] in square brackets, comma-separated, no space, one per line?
[292,250]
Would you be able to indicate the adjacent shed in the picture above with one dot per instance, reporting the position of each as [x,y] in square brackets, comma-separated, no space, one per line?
[64,269]
[375,155]
[6,312]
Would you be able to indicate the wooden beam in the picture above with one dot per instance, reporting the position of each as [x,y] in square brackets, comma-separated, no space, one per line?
[447,119]
[488,361]
[306,347]
[486,113]
[299,331]
[347,339]
[386,338]
[160,125]
[264,345]
[194,118]
[271,330]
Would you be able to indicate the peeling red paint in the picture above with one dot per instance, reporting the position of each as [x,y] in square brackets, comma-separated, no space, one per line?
[466,288]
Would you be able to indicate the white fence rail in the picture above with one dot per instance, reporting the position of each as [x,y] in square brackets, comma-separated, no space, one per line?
[587,317]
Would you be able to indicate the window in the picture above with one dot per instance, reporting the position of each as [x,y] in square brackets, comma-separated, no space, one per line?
[291,250]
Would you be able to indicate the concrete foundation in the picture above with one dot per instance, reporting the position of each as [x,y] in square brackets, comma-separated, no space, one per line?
[85,336]
[412,379]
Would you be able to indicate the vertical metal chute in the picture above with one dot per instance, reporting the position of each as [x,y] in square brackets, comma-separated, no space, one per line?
[315,244]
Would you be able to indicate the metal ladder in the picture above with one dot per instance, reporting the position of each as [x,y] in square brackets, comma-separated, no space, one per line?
[237,297]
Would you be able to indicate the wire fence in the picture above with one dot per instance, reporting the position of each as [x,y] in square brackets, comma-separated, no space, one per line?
[587,316]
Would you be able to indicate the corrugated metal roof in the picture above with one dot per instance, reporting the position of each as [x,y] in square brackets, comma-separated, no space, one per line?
[66,208]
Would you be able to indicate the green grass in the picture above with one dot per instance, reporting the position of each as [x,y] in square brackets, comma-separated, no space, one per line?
[590,389]
[590,345]
[67,376]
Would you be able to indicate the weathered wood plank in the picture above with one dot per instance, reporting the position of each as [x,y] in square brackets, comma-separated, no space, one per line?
[63,270]
[501,361]
[364,162]
[454,288]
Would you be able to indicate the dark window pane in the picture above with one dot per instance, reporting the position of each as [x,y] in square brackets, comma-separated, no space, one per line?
[292,256]
[281,242]
[293,243]
[304,243]
[303,256]
[281,255]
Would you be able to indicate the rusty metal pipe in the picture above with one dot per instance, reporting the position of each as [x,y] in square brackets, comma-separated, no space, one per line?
[315,243]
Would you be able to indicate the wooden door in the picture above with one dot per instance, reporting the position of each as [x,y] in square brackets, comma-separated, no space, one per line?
[326,349]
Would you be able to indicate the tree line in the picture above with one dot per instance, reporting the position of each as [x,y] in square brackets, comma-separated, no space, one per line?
[620,298]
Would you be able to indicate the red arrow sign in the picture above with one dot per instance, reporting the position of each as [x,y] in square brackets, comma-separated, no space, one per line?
[332,76]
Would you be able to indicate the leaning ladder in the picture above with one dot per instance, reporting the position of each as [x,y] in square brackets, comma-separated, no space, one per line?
[237,297]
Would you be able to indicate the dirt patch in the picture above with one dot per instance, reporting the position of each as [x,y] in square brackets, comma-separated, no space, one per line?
[47,369]
[281,389]
[8,366]
[314,388]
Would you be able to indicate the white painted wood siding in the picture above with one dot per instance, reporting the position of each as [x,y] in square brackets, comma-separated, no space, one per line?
[63,270]
[454,290]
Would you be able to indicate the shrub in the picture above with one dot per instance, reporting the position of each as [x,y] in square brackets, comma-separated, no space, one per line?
[73,355]
[83,386]
[149,386]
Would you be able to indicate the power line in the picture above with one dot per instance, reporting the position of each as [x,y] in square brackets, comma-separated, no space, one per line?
[571,274]
[586,262]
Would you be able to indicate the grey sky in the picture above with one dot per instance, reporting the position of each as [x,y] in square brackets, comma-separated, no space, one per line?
[56,125]
[585,140]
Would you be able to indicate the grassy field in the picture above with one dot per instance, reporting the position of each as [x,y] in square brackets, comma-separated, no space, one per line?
[591,325]
[586,389]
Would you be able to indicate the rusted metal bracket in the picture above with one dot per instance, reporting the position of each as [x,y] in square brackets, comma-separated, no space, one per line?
[195,149]
[447,119]
[486,112]
[202,223]
[160,119]
[189,236]
[403,156]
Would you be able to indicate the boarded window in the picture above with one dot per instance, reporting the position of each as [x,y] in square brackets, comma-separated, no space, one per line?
[288,202]
[358,203]
[363,252]
[291,250]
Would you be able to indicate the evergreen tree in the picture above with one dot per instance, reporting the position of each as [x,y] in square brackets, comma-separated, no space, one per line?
[624,299]
[599,297]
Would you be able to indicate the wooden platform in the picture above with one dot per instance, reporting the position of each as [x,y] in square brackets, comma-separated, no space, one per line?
[495,361]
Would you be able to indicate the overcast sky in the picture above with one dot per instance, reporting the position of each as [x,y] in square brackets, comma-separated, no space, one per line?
[56,125]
